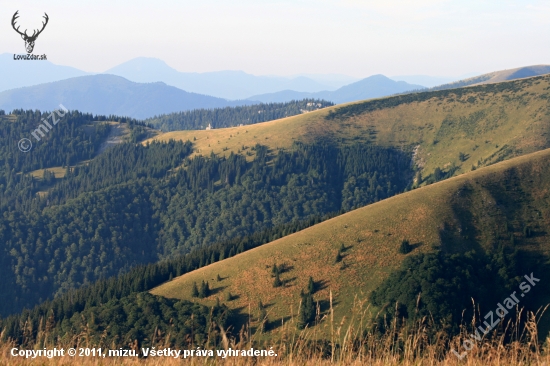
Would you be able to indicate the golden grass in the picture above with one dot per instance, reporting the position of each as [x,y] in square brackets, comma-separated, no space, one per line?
[517,119]
[416,344]
[372,235]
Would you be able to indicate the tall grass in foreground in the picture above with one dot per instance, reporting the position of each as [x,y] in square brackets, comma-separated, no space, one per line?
[357,343]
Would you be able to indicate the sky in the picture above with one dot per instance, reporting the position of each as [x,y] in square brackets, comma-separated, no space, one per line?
[280,37]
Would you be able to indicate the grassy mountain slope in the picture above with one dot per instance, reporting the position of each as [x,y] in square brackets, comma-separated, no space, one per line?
[486,123]
[498,76]
[478,210]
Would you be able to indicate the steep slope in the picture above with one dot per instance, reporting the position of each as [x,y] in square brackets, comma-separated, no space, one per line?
[460,129]
[375,86]
[481,210]
[109,95]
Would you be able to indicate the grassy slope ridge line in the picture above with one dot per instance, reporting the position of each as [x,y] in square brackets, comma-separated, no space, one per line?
[510,194]
[486,123]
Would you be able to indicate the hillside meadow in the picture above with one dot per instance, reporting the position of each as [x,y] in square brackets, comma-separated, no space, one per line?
[470,211]
[467,128]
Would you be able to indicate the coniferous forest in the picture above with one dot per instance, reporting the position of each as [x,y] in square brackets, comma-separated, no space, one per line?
[199,119]
[135,204]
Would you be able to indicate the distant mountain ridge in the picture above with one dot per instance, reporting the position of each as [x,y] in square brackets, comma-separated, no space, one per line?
[222,84]
[19,74]
[498,76]
[110,94]
[374,86]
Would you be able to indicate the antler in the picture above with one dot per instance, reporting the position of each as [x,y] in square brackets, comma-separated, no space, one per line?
[34,34]
[15,16]
[43,26]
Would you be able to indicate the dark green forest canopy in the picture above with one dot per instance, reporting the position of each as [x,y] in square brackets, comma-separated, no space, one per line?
[140,317]
[77,137]
[71,306]
[136,204]
[199,119]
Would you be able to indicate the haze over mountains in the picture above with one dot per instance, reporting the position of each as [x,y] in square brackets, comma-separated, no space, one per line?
[110,94]
[226,84]
[223,84]
[431,81]
[18,74]
[145,87]
[372,87]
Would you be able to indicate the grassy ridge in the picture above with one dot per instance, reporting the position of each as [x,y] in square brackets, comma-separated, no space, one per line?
[481,208]
[486,123]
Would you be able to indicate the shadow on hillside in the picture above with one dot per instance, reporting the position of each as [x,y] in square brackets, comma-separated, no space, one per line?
[346,248]
[288,282]
[277,323]
[324,306]
[285,267]
[217,290]
[235,297]
[320,285]
[416,245]
[491,217]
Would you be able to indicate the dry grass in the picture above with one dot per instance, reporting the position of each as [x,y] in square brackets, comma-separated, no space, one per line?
[372,236]
[484,126]
[416,344]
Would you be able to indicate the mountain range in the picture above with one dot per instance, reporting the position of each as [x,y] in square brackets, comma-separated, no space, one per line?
[372,87]
[193,234]
[146,87]
[110,95]
[18,74]
[223,84]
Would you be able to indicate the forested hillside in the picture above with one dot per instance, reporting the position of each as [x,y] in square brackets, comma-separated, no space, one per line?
[118,301]
[151,211]
[137,204]
[420,257]
[459,129]
[199,119]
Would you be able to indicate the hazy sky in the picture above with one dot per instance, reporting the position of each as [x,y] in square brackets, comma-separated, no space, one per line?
[279,37]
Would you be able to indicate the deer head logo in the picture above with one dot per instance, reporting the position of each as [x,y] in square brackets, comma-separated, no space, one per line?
[29,40]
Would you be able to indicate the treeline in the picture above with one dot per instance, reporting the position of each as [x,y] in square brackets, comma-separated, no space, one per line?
[138,204]
[116,305]
[65,143]
[75,138]
[199,119]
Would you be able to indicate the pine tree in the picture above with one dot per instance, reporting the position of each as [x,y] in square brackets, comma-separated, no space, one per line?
[204,290]
[277,282]
[274,270]
[307,311]
[218,278]
[311,286]
[194,290]
[405,247]
[228,296]
[338,257]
